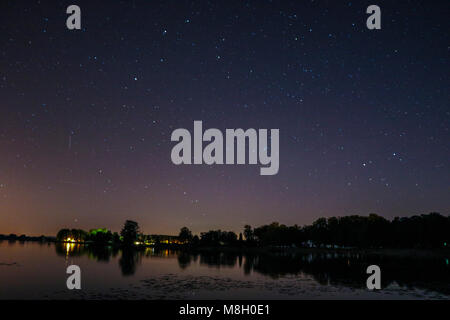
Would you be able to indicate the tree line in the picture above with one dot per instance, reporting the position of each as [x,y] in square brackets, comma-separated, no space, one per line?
[128,235]
[421,231]
[373,231]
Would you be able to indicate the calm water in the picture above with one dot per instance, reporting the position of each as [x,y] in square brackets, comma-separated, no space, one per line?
[37,271]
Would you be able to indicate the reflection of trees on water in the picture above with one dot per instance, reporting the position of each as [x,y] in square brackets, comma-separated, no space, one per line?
[99,253]
[129,260]
[218,259]
[338,269]
[184,259]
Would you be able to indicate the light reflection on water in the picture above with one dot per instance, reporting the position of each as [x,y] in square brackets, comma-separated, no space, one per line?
[37,271]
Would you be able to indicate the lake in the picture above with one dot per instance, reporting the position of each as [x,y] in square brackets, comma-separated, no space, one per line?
[31,270]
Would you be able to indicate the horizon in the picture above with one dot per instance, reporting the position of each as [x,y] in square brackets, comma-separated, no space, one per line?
[195,232]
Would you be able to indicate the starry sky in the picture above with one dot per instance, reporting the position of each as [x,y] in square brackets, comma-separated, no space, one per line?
[86,115]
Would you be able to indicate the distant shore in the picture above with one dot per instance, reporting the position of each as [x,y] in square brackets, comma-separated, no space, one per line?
[392,252]
[13,237]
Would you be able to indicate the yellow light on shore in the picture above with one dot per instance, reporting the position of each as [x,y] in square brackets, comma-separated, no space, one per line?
[69,247]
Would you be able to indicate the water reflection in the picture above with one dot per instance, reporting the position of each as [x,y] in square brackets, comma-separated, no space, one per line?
[327,268]
[128,262]
[98,253]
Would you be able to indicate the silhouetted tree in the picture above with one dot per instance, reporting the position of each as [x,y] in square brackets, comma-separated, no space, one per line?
[248,233]
[218,238]
[185,235]
[195,240]
[62,234]
[100,236]
[116,237]
[130,232]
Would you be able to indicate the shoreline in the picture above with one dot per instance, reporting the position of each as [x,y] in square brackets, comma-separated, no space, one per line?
[391,252]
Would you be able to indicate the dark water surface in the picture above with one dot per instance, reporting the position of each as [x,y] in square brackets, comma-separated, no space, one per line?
[38,271]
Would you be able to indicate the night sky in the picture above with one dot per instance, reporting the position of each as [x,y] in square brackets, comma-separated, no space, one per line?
[86,116]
